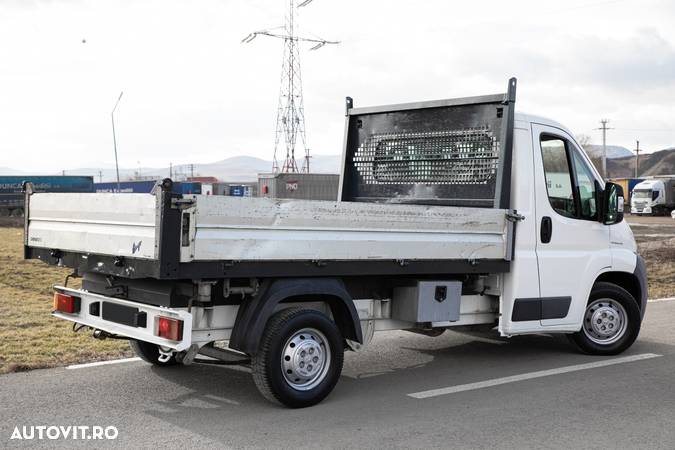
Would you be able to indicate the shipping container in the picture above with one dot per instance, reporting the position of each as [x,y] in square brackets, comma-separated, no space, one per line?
[146,186]
[203,180]
[632,182]
[188,187]
[207,188]
[220,188]
[11,189]
[235,189]
[304,186]
[128,187]
[239,190]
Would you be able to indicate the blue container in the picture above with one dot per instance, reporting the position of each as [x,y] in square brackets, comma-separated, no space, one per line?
[135,187]
[14,184]
[188,187]
[145,187]
[239,190]
[633,182]
[11,187]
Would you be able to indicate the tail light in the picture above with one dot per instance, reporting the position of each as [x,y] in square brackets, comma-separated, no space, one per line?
[169,328]
[66,303]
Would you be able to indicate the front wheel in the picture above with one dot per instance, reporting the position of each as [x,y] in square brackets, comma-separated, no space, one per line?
[611,321]
[300,358]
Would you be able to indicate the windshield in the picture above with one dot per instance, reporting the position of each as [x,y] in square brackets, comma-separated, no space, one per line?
[643,194]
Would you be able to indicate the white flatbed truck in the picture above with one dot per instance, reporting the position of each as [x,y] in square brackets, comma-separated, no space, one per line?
[452,214]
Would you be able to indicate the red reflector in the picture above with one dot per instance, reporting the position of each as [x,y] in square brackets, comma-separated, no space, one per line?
[66,303]
[168,328]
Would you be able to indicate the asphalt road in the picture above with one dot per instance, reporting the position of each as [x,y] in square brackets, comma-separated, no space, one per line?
[625,405]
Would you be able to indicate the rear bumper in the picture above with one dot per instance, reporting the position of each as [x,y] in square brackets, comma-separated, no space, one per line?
[91,314]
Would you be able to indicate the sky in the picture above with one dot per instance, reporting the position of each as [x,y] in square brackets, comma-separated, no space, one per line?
[193,93]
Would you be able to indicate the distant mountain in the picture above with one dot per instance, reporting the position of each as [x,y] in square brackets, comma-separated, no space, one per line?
[8,171]
[657,163]
[613,151]
[235,169]
[247,168]
[661,162]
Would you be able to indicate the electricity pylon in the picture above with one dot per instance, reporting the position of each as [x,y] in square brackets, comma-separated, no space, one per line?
[291,110]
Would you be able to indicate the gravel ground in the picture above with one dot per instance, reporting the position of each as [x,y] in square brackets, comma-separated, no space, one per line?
[656,243]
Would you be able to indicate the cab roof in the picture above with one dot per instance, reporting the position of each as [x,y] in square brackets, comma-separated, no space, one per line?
[532,118]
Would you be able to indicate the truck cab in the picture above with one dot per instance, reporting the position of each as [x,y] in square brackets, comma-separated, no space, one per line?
[653,197]
[563,247]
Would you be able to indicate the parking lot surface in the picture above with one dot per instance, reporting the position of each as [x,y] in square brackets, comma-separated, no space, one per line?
[525,392]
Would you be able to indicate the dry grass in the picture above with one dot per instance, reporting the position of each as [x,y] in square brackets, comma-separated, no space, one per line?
[655,237]
[30,337]
[661,270]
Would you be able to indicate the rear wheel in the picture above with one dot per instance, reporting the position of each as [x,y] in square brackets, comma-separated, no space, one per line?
[611,321]
[300,358]
[150,353]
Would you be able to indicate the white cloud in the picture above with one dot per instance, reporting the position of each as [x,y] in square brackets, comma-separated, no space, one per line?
[194,93]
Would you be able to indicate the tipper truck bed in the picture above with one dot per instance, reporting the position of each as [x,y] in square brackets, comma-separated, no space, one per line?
[450,214]
[222,235]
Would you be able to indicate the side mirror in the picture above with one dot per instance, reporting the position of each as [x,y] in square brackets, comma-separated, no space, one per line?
[612,204]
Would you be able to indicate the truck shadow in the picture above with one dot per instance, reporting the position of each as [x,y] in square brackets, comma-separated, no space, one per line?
[223,402]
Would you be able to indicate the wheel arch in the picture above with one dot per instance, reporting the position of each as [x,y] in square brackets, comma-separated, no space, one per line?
[254,313]
[631,282]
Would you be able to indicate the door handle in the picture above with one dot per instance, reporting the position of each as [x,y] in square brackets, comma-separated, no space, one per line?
[546,229]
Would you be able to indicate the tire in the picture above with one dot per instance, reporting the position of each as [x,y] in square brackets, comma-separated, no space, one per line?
[150,353]
[299,360]
[613,308]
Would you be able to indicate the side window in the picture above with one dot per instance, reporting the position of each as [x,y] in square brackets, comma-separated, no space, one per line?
[585,188]
[558,175]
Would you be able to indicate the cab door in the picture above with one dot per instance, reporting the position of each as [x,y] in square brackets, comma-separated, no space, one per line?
[572,246]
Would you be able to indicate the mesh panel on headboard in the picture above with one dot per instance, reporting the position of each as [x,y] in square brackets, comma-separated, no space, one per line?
[446,155]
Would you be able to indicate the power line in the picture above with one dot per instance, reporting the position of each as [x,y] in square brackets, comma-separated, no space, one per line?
[637,157]
[588,5]
[666,130]
[112,118]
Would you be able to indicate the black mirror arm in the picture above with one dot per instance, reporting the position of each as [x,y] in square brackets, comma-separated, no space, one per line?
[600,201]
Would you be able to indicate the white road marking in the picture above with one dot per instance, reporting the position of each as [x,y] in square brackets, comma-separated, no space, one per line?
[658,300]
[103,363]
[128,360]
[530,376]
